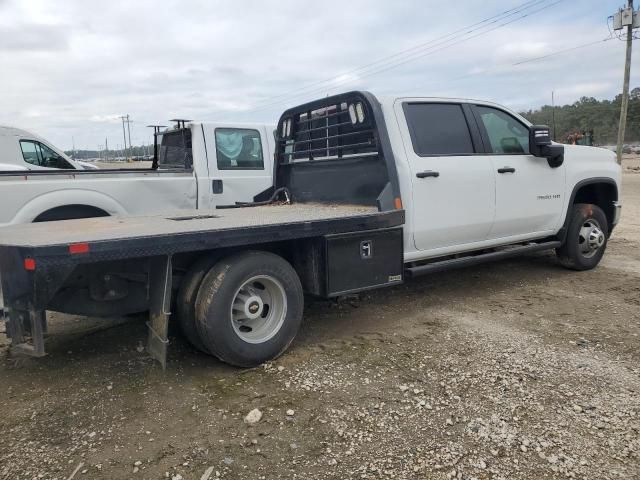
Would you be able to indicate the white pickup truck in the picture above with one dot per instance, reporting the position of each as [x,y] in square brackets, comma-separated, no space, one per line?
[367,192]
[200,166]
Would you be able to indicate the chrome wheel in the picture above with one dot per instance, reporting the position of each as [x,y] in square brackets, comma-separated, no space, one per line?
[259,308]
[591,238]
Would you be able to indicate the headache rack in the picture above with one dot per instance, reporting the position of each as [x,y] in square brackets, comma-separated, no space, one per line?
[336,149]
[341,128]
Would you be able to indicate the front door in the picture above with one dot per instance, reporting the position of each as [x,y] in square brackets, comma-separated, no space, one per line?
[453,183]
[240,164]
[529,193]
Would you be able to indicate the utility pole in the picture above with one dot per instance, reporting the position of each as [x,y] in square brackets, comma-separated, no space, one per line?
[625,17]
[553,114]
[124,135]
[129,130]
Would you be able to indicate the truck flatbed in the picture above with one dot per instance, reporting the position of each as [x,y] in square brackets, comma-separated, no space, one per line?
[124,237]
[340,232]
[39,258]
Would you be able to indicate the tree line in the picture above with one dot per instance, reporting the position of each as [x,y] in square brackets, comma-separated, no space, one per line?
[592,117]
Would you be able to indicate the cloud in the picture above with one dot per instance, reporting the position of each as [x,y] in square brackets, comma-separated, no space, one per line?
[516,51]
[587,89]
[76,66]
[33,38]
[110,118]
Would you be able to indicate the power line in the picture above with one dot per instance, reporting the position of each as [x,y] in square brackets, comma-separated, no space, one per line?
[419,50]
[562,51]
[469,38]
[443,45]
[495,18]
[522,62]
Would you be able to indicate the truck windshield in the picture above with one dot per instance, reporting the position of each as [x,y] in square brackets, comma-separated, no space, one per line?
[175,150]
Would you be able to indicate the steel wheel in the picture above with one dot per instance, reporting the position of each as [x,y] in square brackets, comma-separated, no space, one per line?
[249,308]
[586,237]
[259,308]
[590,238]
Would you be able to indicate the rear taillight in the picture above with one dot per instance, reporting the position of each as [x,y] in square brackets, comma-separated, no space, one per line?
[77,248]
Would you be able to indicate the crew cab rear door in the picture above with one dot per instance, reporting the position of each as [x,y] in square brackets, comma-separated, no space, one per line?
[240,161]
[453,185]
[529,192]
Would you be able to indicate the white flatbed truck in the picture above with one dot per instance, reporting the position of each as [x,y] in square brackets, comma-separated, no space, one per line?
[366,193]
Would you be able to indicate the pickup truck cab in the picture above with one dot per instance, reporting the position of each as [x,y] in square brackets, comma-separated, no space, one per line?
[367,192]
[471,177]
[199,166]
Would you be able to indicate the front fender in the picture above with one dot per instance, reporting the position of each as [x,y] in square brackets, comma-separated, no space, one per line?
[584,163]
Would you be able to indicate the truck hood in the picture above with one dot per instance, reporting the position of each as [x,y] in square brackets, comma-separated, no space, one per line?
[9,167]
[596,154]
[592,150]
[86,165]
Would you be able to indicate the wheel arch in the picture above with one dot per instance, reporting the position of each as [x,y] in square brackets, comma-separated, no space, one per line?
[77,203]
[70,212]
[296,252]
[600,191]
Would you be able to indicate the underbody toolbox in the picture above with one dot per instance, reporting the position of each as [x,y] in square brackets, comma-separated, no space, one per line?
[363,260]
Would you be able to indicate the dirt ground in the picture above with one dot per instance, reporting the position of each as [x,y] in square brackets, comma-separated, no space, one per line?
[513,370]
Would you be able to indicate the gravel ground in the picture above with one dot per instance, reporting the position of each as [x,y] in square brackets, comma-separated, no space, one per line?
[513,370]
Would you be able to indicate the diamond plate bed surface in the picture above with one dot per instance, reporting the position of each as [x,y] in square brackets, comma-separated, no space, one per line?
[179,222]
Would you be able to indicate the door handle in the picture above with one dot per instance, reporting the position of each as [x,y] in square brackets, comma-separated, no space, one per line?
[507,170]
[428,173]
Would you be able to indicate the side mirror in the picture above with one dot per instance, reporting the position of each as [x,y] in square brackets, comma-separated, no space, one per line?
[539,137]
[540,145]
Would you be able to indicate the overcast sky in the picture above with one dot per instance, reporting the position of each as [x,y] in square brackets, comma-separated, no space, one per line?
[71,68]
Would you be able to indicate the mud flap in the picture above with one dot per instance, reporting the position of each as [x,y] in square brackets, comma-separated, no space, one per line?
[26,330]
[159,306]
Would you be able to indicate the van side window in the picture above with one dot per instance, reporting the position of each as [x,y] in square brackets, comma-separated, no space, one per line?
[30,152]
[40,155]
[239,149]
[438,129]
[506,134]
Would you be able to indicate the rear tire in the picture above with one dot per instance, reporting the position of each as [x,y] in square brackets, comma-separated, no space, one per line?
[186,301]
[586,238]
[249,308]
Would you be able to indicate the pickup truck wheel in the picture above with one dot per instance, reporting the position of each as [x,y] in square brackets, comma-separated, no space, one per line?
[586,238]
[186,301]
[249,308]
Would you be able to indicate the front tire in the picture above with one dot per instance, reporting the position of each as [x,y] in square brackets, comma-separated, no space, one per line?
[586,238]
[249,308]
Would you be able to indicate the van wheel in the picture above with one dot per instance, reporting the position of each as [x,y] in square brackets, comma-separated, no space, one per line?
[186,300]
[249,308]
[586,238]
